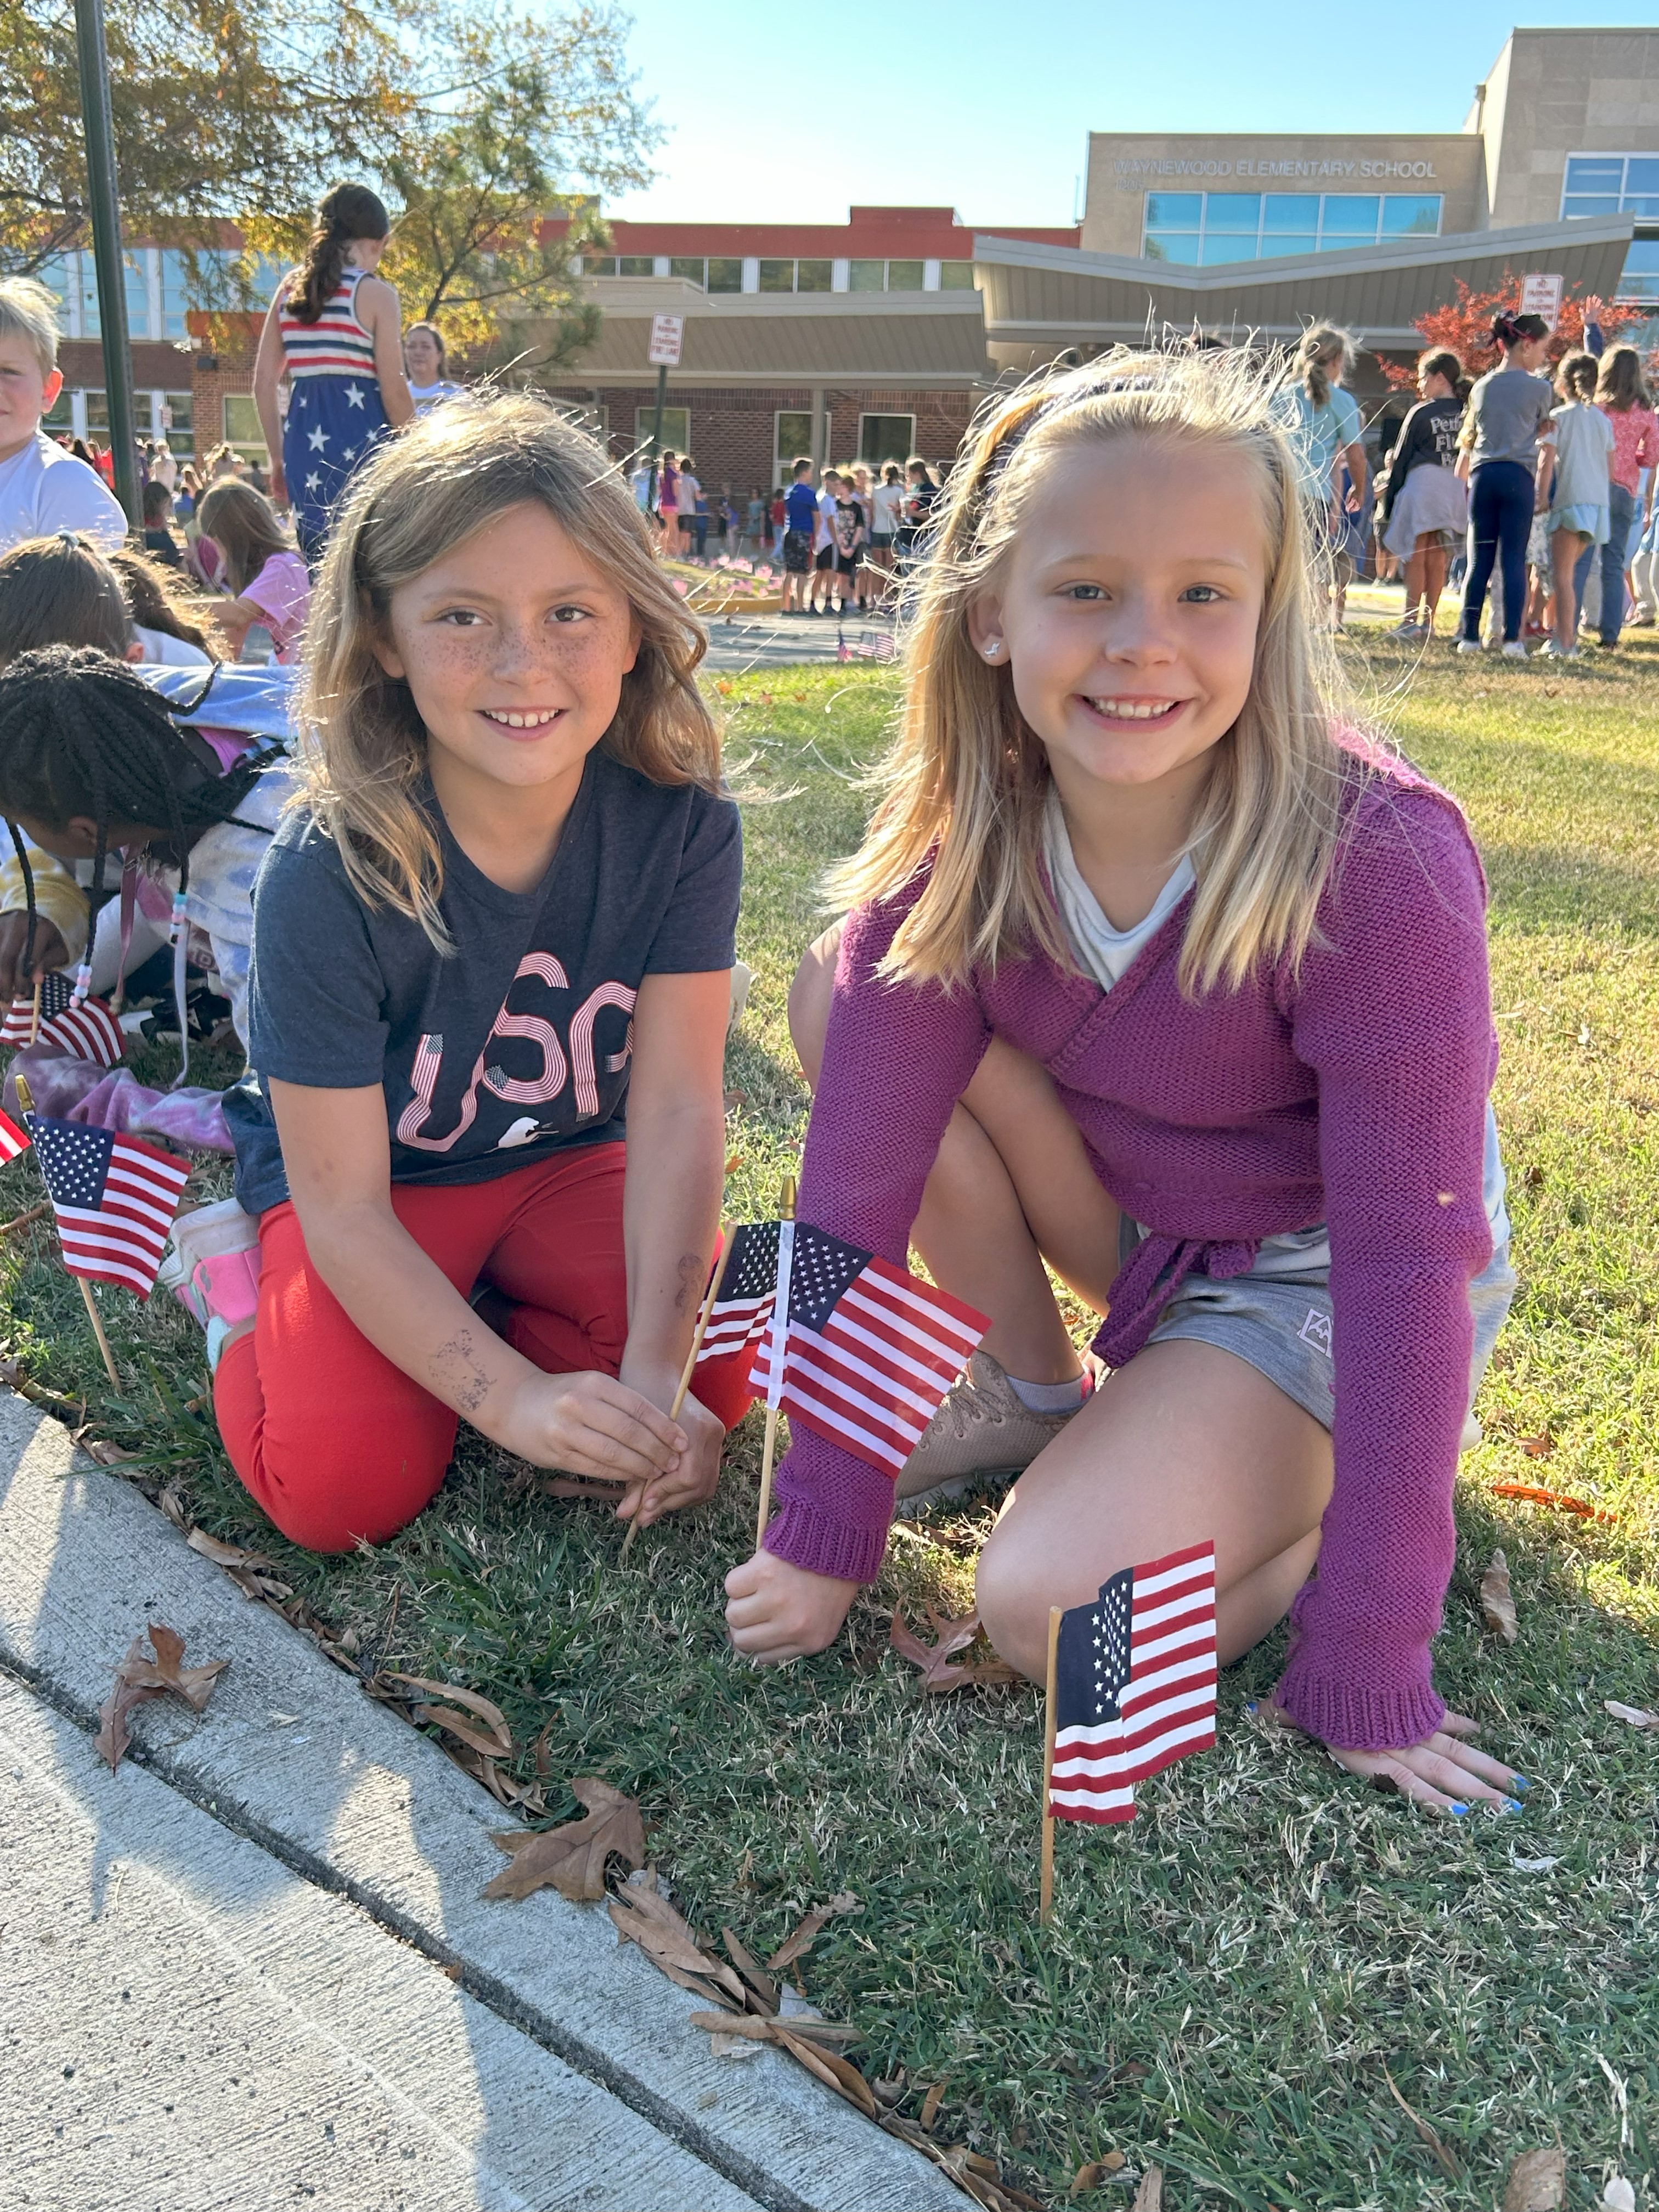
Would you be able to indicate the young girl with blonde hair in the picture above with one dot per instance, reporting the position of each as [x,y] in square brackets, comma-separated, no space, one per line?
[1160,970]
[482,1133]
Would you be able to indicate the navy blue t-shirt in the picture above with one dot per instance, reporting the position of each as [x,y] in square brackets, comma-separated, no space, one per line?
[800,508]
[519,1042]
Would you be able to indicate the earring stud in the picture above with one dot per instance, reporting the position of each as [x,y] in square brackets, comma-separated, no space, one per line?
[993,650]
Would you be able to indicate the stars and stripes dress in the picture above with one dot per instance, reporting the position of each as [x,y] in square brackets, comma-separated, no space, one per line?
[335,415]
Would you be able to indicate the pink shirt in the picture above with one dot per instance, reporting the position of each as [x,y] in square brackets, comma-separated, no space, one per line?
[1635,442]
[282,592]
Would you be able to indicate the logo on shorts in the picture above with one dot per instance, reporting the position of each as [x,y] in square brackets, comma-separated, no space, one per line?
[1316,1330]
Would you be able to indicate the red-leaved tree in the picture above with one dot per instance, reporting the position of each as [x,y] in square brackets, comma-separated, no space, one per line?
[1465,326]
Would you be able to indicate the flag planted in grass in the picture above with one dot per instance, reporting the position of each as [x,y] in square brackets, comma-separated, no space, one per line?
[868,1353]
[1134,1685]
[114,1199]
[12,1140]
[87,1032]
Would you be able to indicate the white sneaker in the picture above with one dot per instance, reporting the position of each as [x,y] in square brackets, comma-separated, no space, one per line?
[1470,645]
[1411,633]
[1514,650]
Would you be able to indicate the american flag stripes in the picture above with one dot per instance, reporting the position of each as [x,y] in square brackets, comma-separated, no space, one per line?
[88,1031]
[114,1199]
[12,1140]
[1134,1684]
[869,1352]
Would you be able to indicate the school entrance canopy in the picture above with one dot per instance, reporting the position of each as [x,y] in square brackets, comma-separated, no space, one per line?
[1039,299]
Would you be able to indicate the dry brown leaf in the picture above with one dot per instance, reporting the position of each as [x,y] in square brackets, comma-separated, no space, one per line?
[1637,1716]
[1538,1446]
[1149,2197]
[106,1454]
[1537,2182]
[1498,1600]
[759,2030]
[571,1857]
[939,1674]
[798,1945]
[138,1678]
[840,2073]
[228,1555]
[1443,2157]
[644,1916]
[763,1988]
[498,1744]
[931,2103]
[1087,2177]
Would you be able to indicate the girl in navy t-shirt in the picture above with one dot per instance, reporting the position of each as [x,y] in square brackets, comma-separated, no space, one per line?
[483,1130]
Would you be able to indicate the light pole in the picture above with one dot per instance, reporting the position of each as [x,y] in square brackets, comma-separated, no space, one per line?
[106,247]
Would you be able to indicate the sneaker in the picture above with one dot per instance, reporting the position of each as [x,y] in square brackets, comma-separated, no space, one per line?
[982,1429]
[1410,633]
[1514,650]
[211,1266]
[1469,645]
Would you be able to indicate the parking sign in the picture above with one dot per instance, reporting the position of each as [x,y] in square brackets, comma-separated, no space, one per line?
[666,333]
[1539,295]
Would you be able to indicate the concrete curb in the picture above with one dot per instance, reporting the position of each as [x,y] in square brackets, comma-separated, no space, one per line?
[353,1800]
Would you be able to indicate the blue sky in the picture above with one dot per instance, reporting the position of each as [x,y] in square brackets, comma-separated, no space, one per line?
[789,112]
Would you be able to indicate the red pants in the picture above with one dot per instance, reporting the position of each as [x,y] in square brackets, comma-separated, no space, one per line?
[338,1443]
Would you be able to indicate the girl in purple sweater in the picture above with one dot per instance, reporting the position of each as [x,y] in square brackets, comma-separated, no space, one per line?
[1157,970]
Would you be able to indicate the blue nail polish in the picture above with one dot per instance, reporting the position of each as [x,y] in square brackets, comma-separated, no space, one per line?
[1511,1805]
[1519,1782]
[1460,1810]
[1249,1704]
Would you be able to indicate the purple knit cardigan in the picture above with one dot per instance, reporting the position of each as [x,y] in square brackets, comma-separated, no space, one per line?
[1355,1096]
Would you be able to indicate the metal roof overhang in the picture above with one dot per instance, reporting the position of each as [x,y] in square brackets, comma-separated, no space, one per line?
[919,340]
[1045,298]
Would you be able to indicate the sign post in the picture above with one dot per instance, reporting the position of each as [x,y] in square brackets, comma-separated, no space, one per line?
[667,334]
[106,247]
[1542,296]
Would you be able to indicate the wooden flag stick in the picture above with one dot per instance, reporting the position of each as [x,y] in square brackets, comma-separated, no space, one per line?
[34,1024]
[779,1347]
[690,1362]
[1046,1898]
[97,1321]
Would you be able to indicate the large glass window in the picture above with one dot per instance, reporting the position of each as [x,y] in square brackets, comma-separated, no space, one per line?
[1640,281]
[792,440]
[777,276]
[904,276]
[1206,229]
[242,430]
[178,422]
[1611,184]
[676,427]
[635,265]
[955,276]
[693,267]
[886,438]
[866,276]
[725,272]
[814,276]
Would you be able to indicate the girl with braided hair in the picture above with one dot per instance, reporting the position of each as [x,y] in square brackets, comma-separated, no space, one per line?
[333,329]
[98,770]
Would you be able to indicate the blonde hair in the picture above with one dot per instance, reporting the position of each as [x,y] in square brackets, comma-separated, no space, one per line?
[1323,348]
[245,526]
[966,779]
[445,477]
[29,310]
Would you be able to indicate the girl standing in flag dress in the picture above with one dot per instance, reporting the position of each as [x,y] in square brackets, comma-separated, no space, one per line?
[334,329]
[1161,970]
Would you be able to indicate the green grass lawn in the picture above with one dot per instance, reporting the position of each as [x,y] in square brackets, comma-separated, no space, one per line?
[1225,1980]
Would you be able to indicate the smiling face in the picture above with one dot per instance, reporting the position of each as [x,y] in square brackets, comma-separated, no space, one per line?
[421,352]
[1127,609]
[514,645]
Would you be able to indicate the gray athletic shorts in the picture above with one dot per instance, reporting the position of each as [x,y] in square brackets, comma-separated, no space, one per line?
[1279,1319]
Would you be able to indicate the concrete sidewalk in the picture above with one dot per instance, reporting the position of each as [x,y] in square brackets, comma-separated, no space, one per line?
[253,1968]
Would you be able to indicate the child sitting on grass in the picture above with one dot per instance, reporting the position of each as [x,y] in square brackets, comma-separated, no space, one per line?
[492,956]
[1161,970]
[268,581]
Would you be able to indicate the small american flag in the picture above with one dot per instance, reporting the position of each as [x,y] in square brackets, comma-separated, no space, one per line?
[88,1031]
[12,1140]
[1134,1684]
[114,1199]
[869,1352]
[747,1289]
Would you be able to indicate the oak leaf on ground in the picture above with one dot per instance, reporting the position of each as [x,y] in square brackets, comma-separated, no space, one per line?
[1498,1600]
[809,1929]
[1637,1716]
[138,1678]
[1538,2181]
[571,1858]
[939,1673]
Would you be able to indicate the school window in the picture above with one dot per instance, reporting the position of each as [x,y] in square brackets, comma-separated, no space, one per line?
[1204,229]
[955,276]
[59,419]
[178,423]
[777,276]
[59,276]
[886,438]
[1610,184]
[813,275]
[1640,281]
[635,265]
[866,276]
[904,276]
[676,428]
[241,428]
[725,272]
[792,440]
[597,265]
[693,267]
[98,415]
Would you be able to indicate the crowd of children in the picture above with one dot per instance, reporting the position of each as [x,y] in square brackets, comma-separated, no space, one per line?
[1160,973]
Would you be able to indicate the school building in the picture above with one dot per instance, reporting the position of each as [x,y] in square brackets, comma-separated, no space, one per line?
[878,337]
